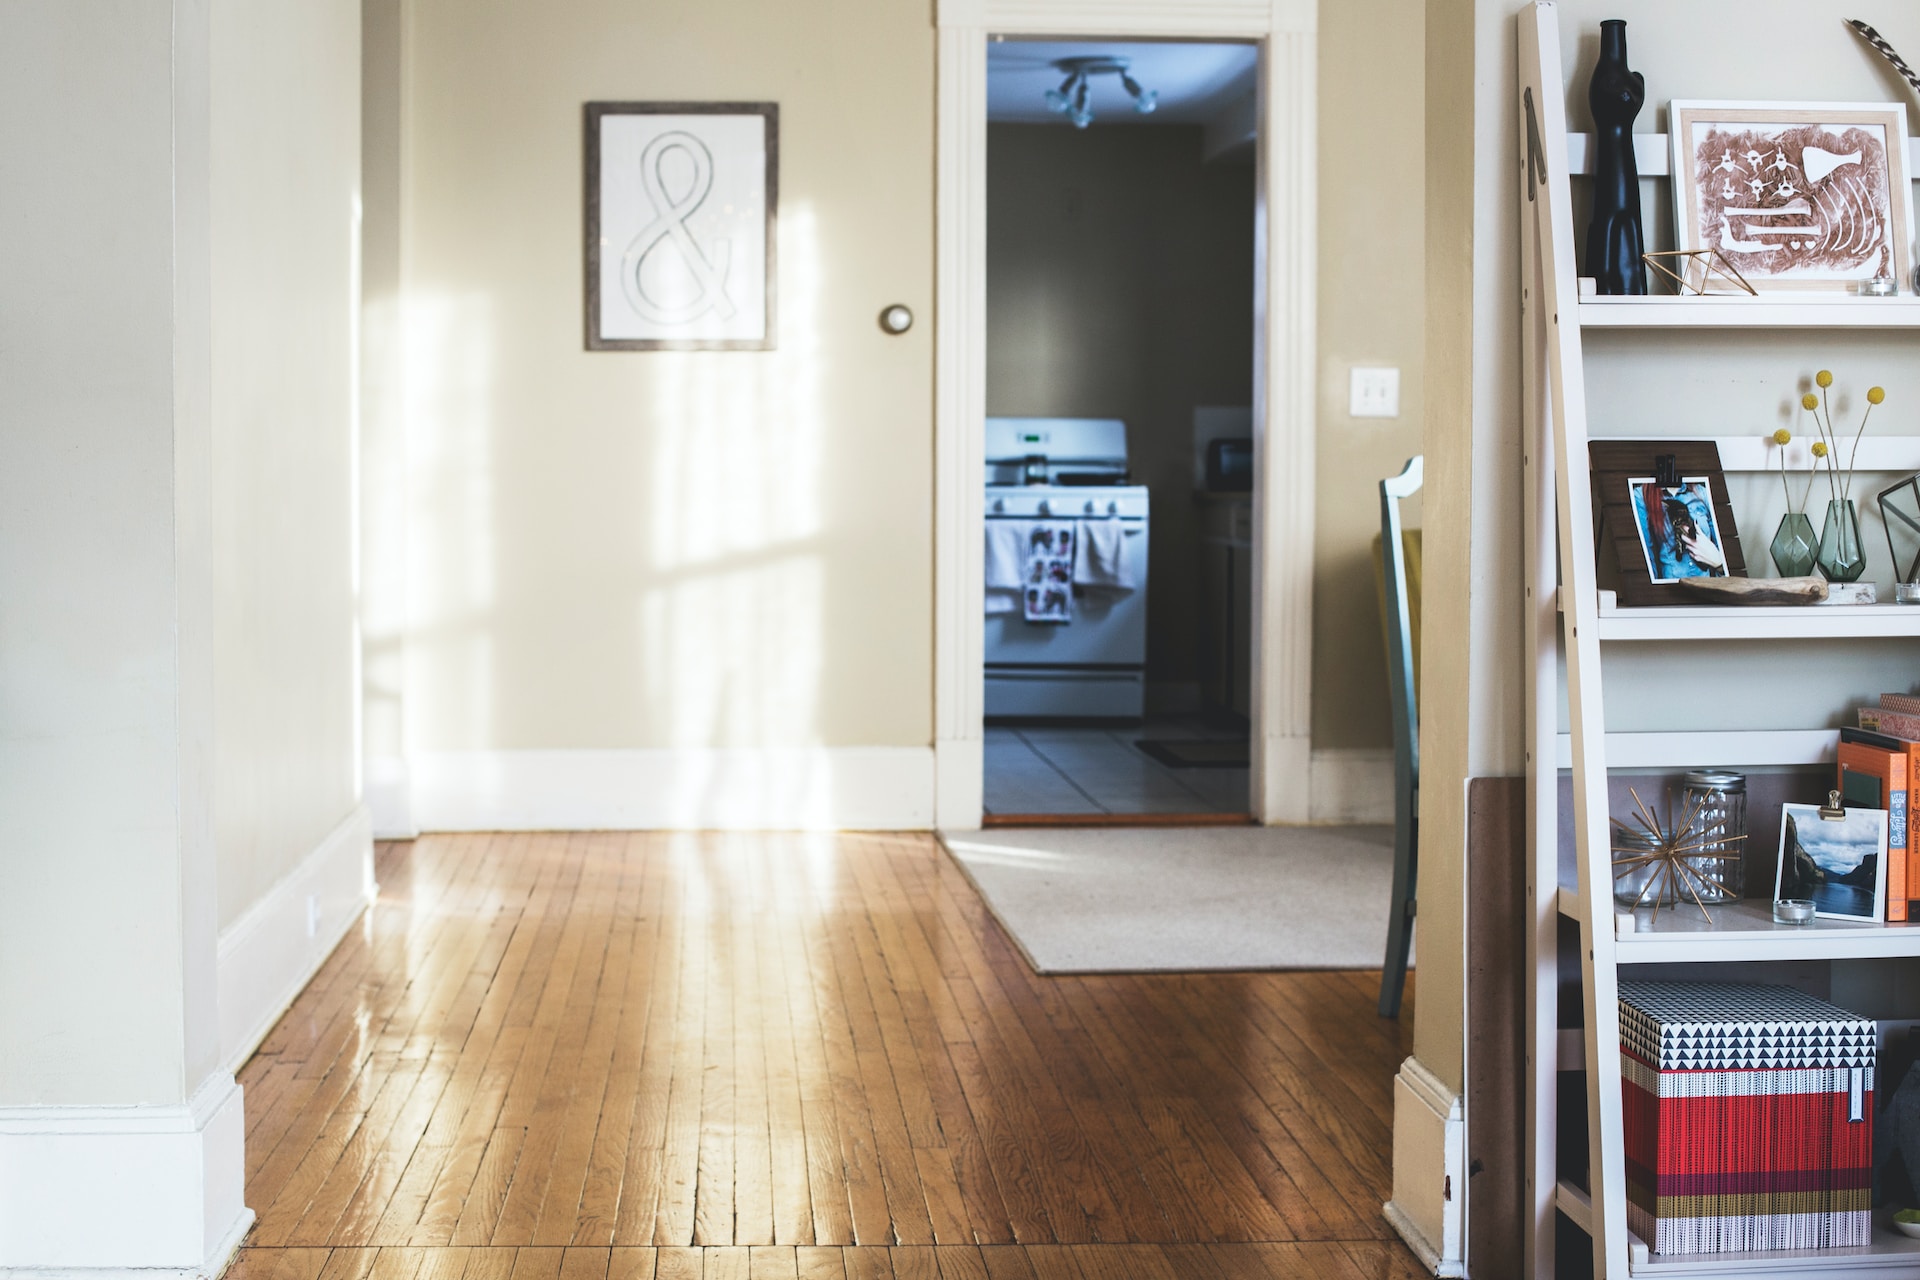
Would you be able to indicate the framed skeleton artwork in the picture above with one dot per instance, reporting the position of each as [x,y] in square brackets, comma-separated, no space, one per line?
[1797,196]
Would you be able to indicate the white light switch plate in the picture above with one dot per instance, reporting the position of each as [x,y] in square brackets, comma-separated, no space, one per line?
[1375,393]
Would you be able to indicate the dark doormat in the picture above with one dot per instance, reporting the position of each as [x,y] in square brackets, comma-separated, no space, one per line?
[1197,753]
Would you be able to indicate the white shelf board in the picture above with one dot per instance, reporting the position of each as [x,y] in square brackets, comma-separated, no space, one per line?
[1889,1254]
[1758,452]
[1711,622]
[1769,311]
[1653,155]
[1746,930]
[1685,750]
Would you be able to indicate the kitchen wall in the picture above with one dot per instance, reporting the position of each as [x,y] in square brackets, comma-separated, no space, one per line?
[730,553]
[726,553]
[1120,275]
[1120,285]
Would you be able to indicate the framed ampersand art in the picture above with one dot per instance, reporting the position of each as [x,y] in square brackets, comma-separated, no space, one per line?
[680,202]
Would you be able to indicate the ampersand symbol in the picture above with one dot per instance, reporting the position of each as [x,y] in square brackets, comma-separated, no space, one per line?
[669,225]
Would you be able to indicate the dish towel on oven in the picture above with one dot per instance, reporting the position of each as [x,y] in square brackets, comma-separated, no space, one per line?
[1048,590]
[1006,576]
[1100,559]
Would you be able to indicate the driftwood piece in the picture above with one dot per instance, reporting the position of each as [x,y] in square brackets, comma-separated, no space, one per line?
[1754,590]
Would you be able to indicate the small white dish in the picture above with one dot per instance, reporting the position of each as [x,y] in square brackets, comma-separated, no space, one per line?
[1906,1228]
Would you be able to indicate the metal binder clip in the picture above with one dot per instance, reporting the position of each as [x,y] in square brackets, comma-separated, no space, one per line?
[1666,471]
[1833,810]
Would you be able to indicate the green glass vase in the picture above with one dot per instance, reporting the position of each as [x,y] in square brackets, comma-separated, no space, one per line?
[1842,558]
[1794,545]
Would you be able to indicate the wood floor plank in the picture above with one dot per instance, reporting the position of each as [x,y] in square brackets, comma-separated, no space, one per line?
[819,1262]
[683,1056]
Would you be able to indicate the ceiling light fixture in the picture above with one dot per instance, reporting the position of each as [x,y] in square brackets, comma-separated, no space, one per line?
[1073,99]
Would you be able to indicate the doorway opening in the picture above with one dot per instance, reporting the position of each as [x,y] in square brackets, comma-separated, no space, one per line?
[1120,499]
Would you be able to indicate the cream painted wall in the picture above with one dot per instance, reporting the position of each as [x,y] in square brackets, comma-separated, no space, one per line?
[106,926]
[1120,284]
[286,169]
[633,550]
[1372,287]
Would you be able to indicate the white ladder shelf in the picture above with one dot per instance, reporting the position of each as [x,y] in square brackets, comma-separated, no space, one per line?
[1568,619]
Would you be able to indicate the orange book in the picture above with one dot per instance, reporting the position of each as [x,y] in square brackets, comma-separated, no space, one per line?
[1875,771]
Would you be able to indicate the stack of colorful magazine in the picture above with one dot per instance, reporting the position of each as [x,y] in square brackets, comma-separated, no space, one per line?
[1749,1118]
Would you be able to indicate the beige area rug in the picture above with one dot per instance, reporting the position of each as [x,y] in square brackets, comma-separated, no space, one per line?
[1145,900]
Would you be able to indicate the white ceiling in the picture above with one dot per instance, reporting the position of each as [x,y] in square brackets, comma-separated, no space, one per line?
[1195,81]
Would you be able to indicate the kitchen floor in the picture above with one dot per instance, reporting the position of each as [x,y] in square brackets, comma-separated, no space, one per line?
[1094,770]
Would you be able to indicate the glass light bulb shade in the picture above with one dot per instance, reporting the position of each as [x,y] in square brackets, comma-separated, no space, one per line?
[1057,101]
[1146,102]
[1082,117]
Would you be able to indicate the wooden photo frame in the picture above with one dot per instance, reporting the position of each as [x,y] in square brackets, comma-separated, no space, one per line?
[681,210]
[1798,196]
[1687,477]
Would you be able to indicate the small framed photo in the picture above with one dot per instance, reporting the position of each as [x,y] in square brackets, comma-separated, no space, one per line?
[1838,863]
[1796,195]
[1663,506]
[681,204]
[1678,534]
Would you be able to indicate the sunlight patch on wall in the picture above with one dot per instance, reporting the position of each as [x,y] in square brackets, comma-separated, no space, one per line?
[451,523]
[731,621]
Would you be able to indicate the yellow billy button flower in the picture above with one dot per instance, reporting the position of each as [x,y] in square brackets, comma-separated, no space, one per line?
[1819,448]
[1782,436]
[1809,401]
[1876,395]
[1824,378]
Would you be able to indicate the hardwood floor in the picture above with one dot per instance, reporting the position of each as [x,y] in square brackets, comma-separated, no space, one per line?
[657,1056]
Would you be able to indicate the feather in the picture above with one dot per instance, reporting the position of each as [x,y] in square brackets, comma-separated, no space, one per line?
[1885,50]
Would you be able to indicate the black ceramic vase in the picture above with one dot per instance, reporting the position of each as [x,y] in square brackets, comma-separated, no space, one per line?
[1614,239]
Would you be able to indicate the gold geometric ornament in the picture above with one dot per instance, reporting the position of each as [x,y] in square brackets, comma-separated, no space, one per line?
[1671,850]
[1699,270]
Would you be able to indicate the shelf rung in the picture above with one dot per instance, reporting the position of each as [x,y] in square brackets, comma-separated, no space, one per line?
[1693,749]
[1571,905]
[1653,155]
[1576,1204]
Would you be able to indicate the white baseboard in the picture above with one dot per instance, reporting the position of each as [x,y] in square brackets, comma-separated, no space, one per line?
[115,1193]
[1428,1208]
[1352,784]
[960,784]
[388,789]
[276,946]
[803,788]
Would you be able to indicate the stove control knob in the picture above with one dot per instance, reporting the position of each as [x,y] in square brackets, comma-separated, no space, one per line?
[1113,508]
[999,505]
[1046,508]
[1089,508]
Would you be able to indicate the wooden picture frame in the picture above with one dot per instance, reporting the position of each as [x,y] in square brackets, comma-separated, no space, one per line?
[1799,196]
[1618,467]
[681,219]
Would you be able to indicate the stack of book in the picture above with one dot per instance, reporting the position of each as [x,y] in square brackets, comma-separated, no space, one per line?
[1749,1118]
[1879,768]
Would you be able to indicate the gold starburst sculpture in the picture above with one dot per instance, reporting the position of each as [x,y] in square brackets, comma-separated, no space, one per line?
[1671,849]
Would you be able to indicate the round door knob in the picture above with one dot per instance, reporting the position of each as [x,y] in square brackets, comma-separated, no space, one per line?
[896,319]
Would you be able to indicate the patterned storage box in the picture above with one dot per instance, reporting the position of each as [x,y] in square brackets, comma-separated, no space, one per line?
[1749,1118]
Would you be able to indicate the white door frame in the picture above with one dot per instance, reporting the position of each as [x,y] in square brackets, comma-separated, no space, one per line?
[1284,377]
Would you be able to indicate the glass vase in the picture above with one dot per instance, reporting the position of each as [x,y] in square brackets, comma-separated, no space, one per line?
[1842,558]
[1794,545]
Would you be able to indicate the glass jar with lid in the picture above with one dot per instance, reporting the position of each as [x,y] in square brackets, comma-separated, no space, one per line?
[1718,801]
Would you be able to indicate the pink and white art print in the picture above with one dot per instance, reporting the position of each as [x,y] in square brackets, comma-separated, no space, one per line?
[1797,196]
